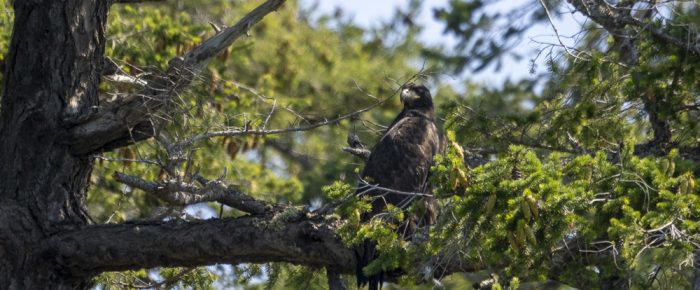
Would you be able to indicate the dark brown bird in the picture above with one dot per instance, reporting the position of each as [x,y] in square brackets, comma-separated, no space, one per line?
[401,161]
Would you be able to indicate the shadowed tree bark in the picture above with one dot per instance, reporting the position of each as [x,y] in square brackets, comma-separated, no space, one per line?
[51,80]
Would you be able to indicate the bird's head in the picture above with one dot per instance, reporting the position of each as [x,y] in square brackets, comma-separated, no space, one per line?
[415,96]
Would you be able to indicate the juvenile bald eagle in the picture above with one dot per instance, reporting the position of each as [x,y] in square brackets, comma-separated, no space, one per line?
[401,161]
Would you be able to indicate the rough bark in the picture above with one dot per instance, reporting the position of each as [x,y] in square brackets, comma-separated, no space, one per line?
[51,80]
[43,186]
[298,240]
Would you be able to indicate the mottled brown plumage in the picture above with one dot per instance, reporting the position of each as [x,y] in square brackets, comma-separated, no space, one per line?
[401,161]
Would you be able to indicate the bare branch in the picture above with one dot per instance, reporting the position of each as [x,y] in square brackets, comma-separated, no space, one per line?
[660,35]
[265,98]
[556,32]
[114,126]
[153,285]
[263,132]
[181,193]
[356,148]
[609,18]
[216,28]
[126,79]
[359,152]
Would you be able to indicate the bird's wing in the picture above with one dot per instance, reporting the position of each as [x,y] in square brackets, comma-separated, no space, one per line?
[402,159]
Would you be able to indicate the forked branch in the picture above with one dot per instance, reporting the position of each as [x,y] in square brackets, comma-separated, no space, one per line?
[128,120]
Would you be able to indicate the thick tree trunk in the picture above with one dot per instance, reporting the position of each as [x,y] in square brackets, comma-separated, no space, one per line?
[51,81]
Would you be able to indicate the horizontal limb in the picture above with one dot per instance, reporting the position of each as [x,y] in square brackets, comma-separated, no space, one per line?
[177,243]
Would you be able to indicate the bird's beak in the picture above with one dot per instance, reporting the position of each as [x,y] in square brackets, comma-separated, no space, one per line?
[408,95]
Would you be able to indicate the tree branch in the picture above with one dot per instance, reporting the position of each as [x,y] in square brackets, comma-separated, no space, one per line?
[100,248]
[652,149]
[660,35]
[359,152]
[112,126]
[357,148]
[262,132]
[292,238]
[181,193]
[609,17]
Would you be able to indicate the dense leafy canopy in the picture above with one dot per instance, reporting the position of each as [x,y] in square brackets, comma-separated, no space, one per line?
[585,174]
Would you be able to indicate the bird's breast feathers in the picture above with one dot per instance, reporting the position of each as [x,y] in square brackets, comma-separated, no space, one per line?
[412,130]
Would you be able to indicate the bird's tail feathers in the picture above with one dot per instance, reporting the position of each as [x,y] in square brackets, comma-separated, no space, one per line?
[365,254]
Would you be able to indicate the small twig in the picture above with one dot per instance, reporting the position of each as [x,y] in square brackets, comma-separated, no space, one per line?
[272,111]
[265,98]
[556,32]
[247,131]
[216,28]
[366,185]
[162,283]
[125,160]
